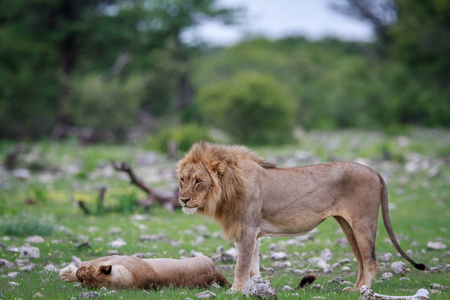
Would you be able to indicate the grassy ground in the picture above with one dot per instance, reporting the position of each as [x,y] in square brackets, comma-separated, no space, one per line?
[416,169]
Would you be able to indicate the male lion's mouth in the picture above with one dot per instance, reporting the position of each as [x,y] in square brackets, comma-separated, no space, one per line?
[189,210]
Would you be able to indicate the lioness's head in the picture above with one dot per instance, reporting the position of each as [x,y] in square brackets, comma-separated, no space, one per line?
[199,182]
[95,275]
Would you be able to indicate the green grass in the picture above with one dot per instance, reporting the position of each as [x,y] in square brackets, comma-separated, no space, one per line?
[421,214]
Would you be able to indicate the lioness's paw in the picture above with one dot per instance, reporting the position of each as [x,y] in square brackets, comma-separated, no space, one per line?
[69,273]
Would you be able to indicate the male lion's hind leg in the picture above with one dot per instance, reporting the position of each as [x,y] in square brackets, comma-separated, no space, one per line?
[365,233]
[348,231]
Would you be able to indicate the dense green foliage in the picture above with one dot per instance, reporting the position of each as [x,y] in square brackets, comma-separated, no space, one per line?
[252,108]
[185,136]
[52,51]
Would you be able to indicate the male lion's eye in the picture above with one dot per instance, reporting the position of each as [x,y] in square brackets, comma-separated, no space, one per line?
[197,181]
[182,179]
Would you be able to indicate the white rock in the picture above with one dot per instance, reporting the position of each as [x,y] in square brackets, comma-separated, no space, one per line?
[286,288]
[115,230]
[345,269]
[205,295]
[279,256]
[12,275]
[436,245]
[21,173]
[259,287]
[399,268]
[281,265]
[230,255]
[117,243]
[386,276]
[199,240]
[36,239]
[38,295]
[13,284]
[326,254]
[386,257]
[51,268]
[194,253]
[26,251]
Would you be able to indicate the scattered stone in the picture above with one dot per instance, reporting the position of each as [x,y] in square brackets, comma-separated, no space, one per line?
[259,287]
[205,295]
[286,288]
[326,268]
[194,253]
[13,284]
[89,295]
[316,287]
[335,280]
[344,261]
[386,276]
[438,287]
[404,278]
[117,243]
[12,275]
[230,255]
[399,268]
[27,268]
[38,295]
[319,297]
[386,257]
[215,286]
[112,292]
[22,262]
[436,245]
[26,251]
[225,268]
[277,256]
[5,264]
[345,269]
[182,252]
[298,272]
[83,245]
[346,282]
[434,270]
[36,239]
[281,265]
[342,242]
[326,254]
[21,174]
[198,241]
[51,268]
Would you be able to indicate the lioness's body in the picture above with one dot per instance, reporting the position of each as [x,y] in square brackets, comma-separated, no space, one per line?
[251,198]
[132,272]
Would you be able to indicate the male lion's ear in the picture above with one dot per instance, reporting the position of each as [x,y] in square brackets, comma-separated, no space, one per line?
[221,167]
[105,269]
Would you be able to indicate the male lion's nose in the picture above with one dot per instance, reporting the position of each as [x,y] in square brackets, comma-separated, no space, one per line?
[185,200]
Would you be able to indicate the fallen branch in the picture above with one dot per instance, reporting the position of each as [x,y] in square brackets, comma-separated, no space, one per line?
[170,202]
[83,207]
[368,294]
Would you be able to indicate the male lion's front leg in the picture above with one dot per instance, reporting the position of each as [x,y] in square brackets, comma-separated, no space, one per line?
[246,248]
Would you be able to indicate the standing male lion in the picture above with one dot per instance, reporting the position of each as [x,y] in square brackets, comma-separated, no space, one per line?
[252,198]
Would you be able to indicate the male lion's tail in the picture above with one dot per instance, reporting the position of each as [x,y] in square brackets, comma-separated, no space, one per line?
[388,226]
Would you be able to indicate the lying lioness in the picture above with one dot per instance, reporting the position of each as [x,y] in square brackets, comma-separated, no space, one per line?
[132,272]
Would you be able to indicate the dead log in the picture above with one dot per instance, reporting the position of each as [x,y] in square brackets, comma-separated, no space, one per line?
[169,201]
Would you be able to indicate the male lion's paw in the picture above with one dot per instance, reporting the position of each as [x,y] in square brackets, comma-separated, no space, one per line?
[69,273]
[236,287]
[350,289]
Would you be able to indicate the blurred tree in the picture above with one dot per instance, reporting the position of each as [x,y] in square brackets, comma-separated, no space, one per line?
[44,42]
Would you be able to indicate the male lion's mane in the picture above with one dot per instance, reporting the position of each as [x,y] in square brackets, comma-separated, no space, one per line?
[227,196]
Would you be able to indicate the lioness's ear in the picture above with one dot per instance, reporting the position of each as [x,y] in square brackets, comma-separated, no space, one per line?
[221,167]
[105,269]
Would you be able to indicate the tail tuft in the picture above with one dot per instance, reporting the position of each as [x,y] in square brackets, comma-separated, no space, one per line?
[307,280]
[419,266]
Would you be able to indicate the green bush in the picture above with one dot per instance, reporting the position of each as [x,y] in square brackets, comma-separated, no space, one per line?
[106,106]
[26,225]
[185,136]
[253,108]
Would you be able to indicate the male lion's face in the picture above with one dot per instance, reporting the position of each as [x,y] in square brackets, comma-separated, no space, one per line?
[195,182]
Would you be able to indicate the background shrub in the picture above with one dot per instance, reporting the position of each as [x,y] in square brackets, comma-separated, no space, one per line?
[253,108]
[110,105]
[185,136]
